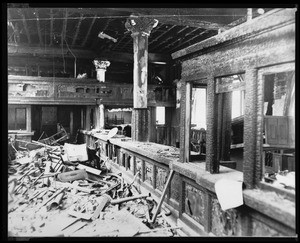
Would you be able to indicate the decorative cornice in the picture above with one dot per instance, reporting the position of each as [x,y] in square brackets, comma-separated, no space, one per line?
[99,64]
[140,25]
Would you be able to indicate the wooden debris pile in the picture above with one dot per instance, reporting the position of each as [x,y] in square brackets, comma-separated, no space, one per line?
[49,196]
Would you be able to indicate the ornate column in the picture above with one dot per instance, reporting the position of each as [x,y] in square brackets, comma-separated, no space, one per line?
[140,28]
[101,69]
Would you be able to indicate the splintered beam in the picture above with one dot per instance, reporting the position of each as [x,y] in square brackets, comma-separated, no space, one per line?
[77,30]
[89,31]
[104,28]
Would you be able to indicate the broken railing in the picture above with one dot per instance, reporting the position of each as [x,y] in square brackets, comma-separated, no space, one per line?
[191,194]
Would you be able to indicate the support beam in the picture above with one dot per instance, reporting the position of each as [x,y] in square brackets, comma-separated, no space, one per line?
[252,169]
[212,163]
[38,26]
[77,30]
[89,31]
[140,28]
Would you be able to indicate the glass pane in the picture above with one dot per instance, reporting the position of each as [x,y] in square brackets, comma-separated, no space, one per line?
[160,115]
[198,115]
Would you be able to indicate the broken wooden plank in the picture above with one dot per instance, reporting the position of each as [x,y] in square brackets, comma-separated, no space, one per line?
[89,169]
[162,196]
[103,200]
[126,199]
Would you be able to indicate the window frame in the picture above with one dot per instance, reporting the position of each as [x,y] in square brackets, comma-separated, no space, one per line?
[262,72]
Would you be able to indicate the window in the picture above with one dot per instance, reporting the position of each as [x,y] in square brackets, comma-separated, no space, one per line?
[277,122]
[16,118]
[160,115]
[230,96]
[198,123]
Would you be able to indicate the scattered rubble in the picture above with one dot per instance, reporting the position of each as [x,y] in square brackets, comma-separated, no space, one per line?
[51,196]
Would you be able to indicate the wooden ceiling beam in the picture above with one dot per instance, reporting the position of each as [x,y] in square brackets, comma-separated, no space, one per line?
[162,42]
[52,52]
[189,40]
[89,31]
[77,30]
[177,16]
[180,38]
[51,27]
[128,57]
[64,27]
[48,52]
[25,25]
[159,36]
[38,26]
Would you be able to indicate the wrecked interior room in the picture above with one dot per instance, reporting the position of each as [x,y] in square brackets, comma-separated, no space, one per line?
[151,122]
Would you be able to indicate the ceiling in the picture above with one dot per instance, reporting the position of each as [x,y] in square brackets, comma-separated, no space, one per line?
[79,27]
[50,38]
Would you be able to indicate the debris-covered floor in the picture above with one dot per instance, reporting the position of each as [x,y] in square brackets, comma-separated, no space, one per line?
[51,196]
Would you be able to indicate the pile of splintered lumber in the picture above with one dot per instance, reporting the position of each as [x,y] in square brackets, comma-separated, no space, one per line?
[49,196]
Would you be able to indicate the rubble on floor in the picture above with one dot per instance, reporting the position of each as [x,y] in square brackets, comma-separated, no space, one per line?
[51,196]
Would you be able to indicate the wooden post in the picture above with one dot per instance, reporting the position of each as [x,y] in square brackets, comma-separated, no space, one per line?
[71,123]
[87,118]
[168,119]
[187,122]
[152,125]
[251,165]
[224,126]
[101,116]
[140,28]
[28,119]
[212,162]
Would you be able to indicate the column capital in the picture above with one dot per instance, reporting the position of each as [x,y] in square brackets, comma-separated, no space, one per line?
[99,64]
[140,25]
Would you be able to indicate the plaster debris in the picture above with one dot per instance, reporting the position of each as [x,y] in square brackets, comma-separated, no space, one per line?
[50,196]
